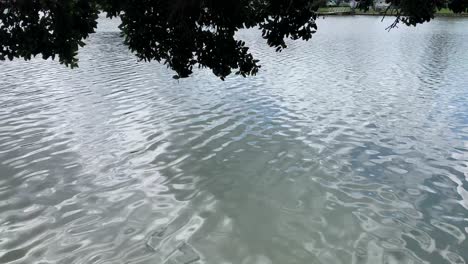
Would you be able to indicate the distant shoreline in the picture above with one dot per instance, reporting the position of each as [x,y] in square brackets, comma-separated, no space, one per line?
[389,15]
[436,15]
[346,11]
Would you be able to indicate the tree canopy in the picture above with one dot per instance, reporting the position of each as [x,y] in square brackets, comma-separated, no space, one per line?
[182,34]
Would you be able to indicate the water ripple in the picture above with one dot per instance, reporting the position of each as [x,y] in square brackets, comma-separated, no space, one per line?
[350,148]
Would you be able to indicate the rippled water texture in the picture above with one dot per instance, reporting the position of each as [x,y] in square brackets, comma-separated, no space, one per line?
[350,148]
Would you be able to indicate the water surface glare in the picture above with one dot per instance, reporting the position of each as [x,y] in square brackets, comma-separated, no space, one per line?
[349,148]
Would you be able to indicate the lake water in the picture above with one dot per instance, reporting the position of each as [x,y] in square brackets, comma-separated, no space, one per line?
[349,148]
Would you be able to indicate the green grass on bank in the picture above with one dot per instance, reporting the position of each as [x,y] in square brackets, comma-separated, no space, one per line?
[338,9]
[344,9]
[444,11]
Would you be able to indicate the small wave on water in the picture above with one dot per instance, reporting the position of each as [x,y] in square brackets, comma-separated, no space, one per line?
[349,148]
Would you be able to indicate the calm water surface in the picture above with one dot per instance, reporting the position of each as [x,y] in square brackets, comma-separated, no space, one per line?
[350,148]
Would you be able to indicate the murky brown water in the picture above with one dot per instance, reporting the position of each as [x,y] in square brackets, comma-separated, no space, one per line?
[350,148]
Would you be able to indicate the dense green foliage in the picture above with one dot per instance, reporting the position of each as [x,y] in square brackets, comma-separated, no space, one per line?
[50,28]
[180,33]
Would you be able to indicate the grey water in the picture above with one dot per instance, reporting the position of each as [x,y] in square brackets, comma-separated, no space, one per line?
[349,148]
